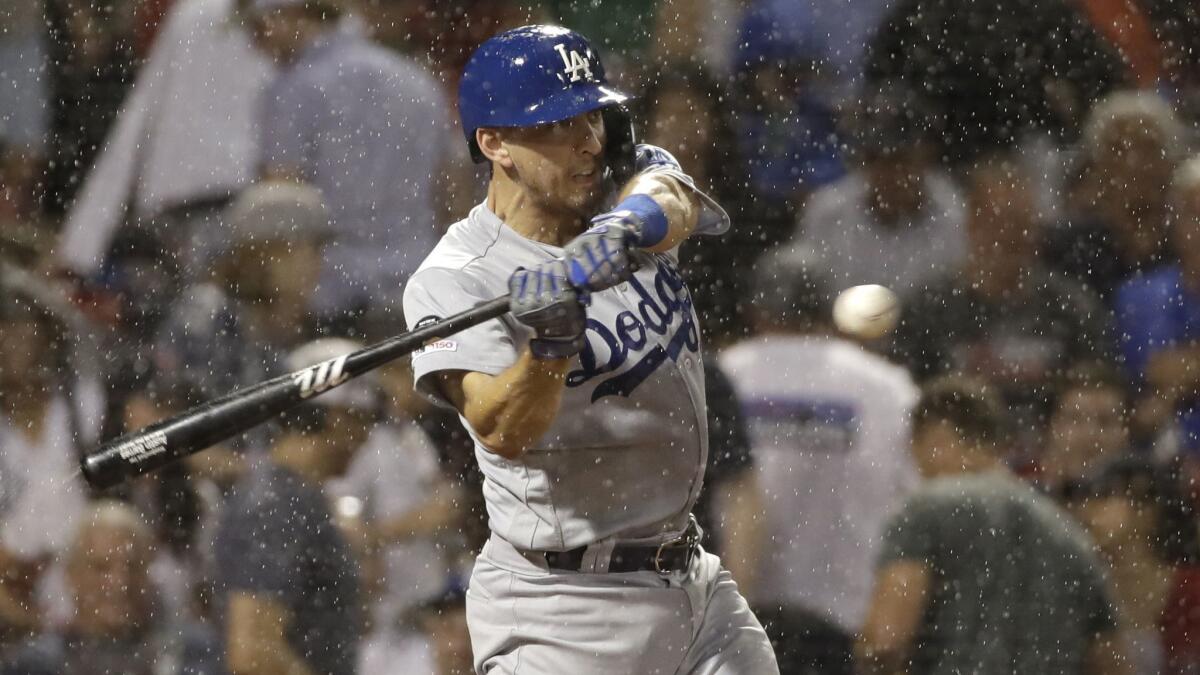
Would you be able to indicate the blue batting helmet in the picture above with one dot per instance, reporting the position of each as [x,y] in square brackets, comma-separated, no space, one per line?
[538,75]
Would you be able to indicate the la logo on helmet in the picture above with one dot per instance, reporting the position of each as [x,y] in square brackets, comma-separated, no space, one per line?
[573,63]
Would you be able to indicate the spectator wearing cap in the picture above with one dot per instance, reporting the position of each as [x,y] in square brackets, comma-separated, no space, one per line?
[235,329]
[182,145]
[979,573]
[287,579]
[829,431]
[785,137]
[43,426]
[1118,211]
[181,502]
[116,624]
[998,313]
[365,126]
[1158,320]
[1146,531]
[895,220]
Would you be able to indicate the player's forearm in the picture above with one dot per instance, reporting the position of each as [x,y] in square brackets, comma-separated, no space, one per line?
[680,204]
[509,412]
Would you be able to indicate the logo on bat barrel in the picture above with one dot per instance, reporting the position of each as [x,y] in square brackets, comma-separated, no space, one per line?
[435,344]
[323,376]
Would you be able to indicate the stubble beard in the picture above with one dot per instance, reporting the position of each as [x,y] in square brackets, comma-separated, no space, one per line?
[576,208]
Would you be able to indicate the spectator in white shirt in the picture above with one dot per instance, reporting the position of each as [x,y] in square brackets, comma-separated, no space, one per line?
[367,127]
[184,142]
[895,220]
[829,431]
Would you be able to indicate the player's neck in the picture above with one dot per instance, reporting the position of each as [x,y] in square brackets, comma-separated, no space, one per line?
[528,218]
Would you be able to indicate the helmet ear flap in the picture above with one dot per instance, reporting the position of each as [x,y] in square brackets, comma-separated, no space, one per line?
[619,150]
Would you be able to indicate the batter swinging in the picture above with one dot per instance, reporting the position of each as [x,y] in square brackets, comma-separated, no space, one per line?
[586,402]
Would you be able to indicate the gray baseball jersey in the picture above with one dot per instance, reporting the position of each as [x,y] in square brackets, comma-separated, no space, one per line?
[625,457]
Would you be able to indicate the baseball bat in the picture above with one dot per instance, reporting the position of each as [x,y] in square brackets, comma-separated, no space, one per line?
[198,428]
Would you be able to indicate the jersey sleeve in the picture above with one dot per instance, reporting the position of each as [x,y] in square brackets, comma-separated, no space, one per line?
[437,293]
[652,159]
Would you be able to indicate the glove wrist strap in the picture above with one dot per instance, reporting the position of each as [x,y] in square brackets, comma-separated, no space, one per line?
[652,220]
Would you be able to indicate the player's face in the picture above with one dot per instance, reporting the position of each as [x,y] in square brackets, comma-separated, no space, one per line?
[561,165]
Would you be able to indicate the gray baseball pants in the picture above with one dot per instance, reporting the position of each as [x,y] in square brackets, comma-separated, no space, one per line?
[526,620]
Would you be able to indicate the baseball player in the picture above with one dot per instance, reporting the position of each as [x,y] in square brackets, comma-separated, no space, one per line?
[586,401]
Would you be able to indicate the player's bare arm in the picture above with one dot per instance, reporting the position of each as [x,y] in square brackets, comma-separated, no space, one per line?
[678,202]
[510,411]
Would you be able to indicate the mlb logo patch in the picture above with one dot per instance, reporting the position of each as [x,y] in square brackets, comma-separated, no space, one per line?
[437,346]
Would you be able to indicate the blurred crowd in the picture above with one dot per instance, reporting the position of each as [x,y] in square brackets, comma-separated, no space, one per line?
[196,195]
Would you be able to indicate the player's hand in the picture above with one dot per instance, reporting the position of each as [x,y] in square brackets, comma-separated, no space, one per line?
[543,299]
[599,258]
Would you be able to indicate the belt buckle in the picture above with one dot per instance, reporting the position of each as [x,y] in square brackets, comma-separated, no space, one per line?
[658,559]
[689,539]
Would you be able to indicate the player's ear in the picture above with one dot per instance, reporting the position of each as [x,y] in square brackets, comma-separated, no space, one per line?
[492,146]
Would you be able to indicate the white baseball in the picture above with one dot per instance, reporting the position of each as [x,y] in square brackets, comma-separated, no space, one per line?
[866,312]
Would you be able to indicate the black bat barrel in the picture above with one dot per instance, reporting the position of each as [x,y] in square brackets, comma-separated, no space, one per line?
[173,439]
[189,432]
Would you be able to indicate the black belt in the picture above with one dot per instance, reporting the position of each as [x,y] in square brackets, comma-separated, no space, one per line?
[666,558]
